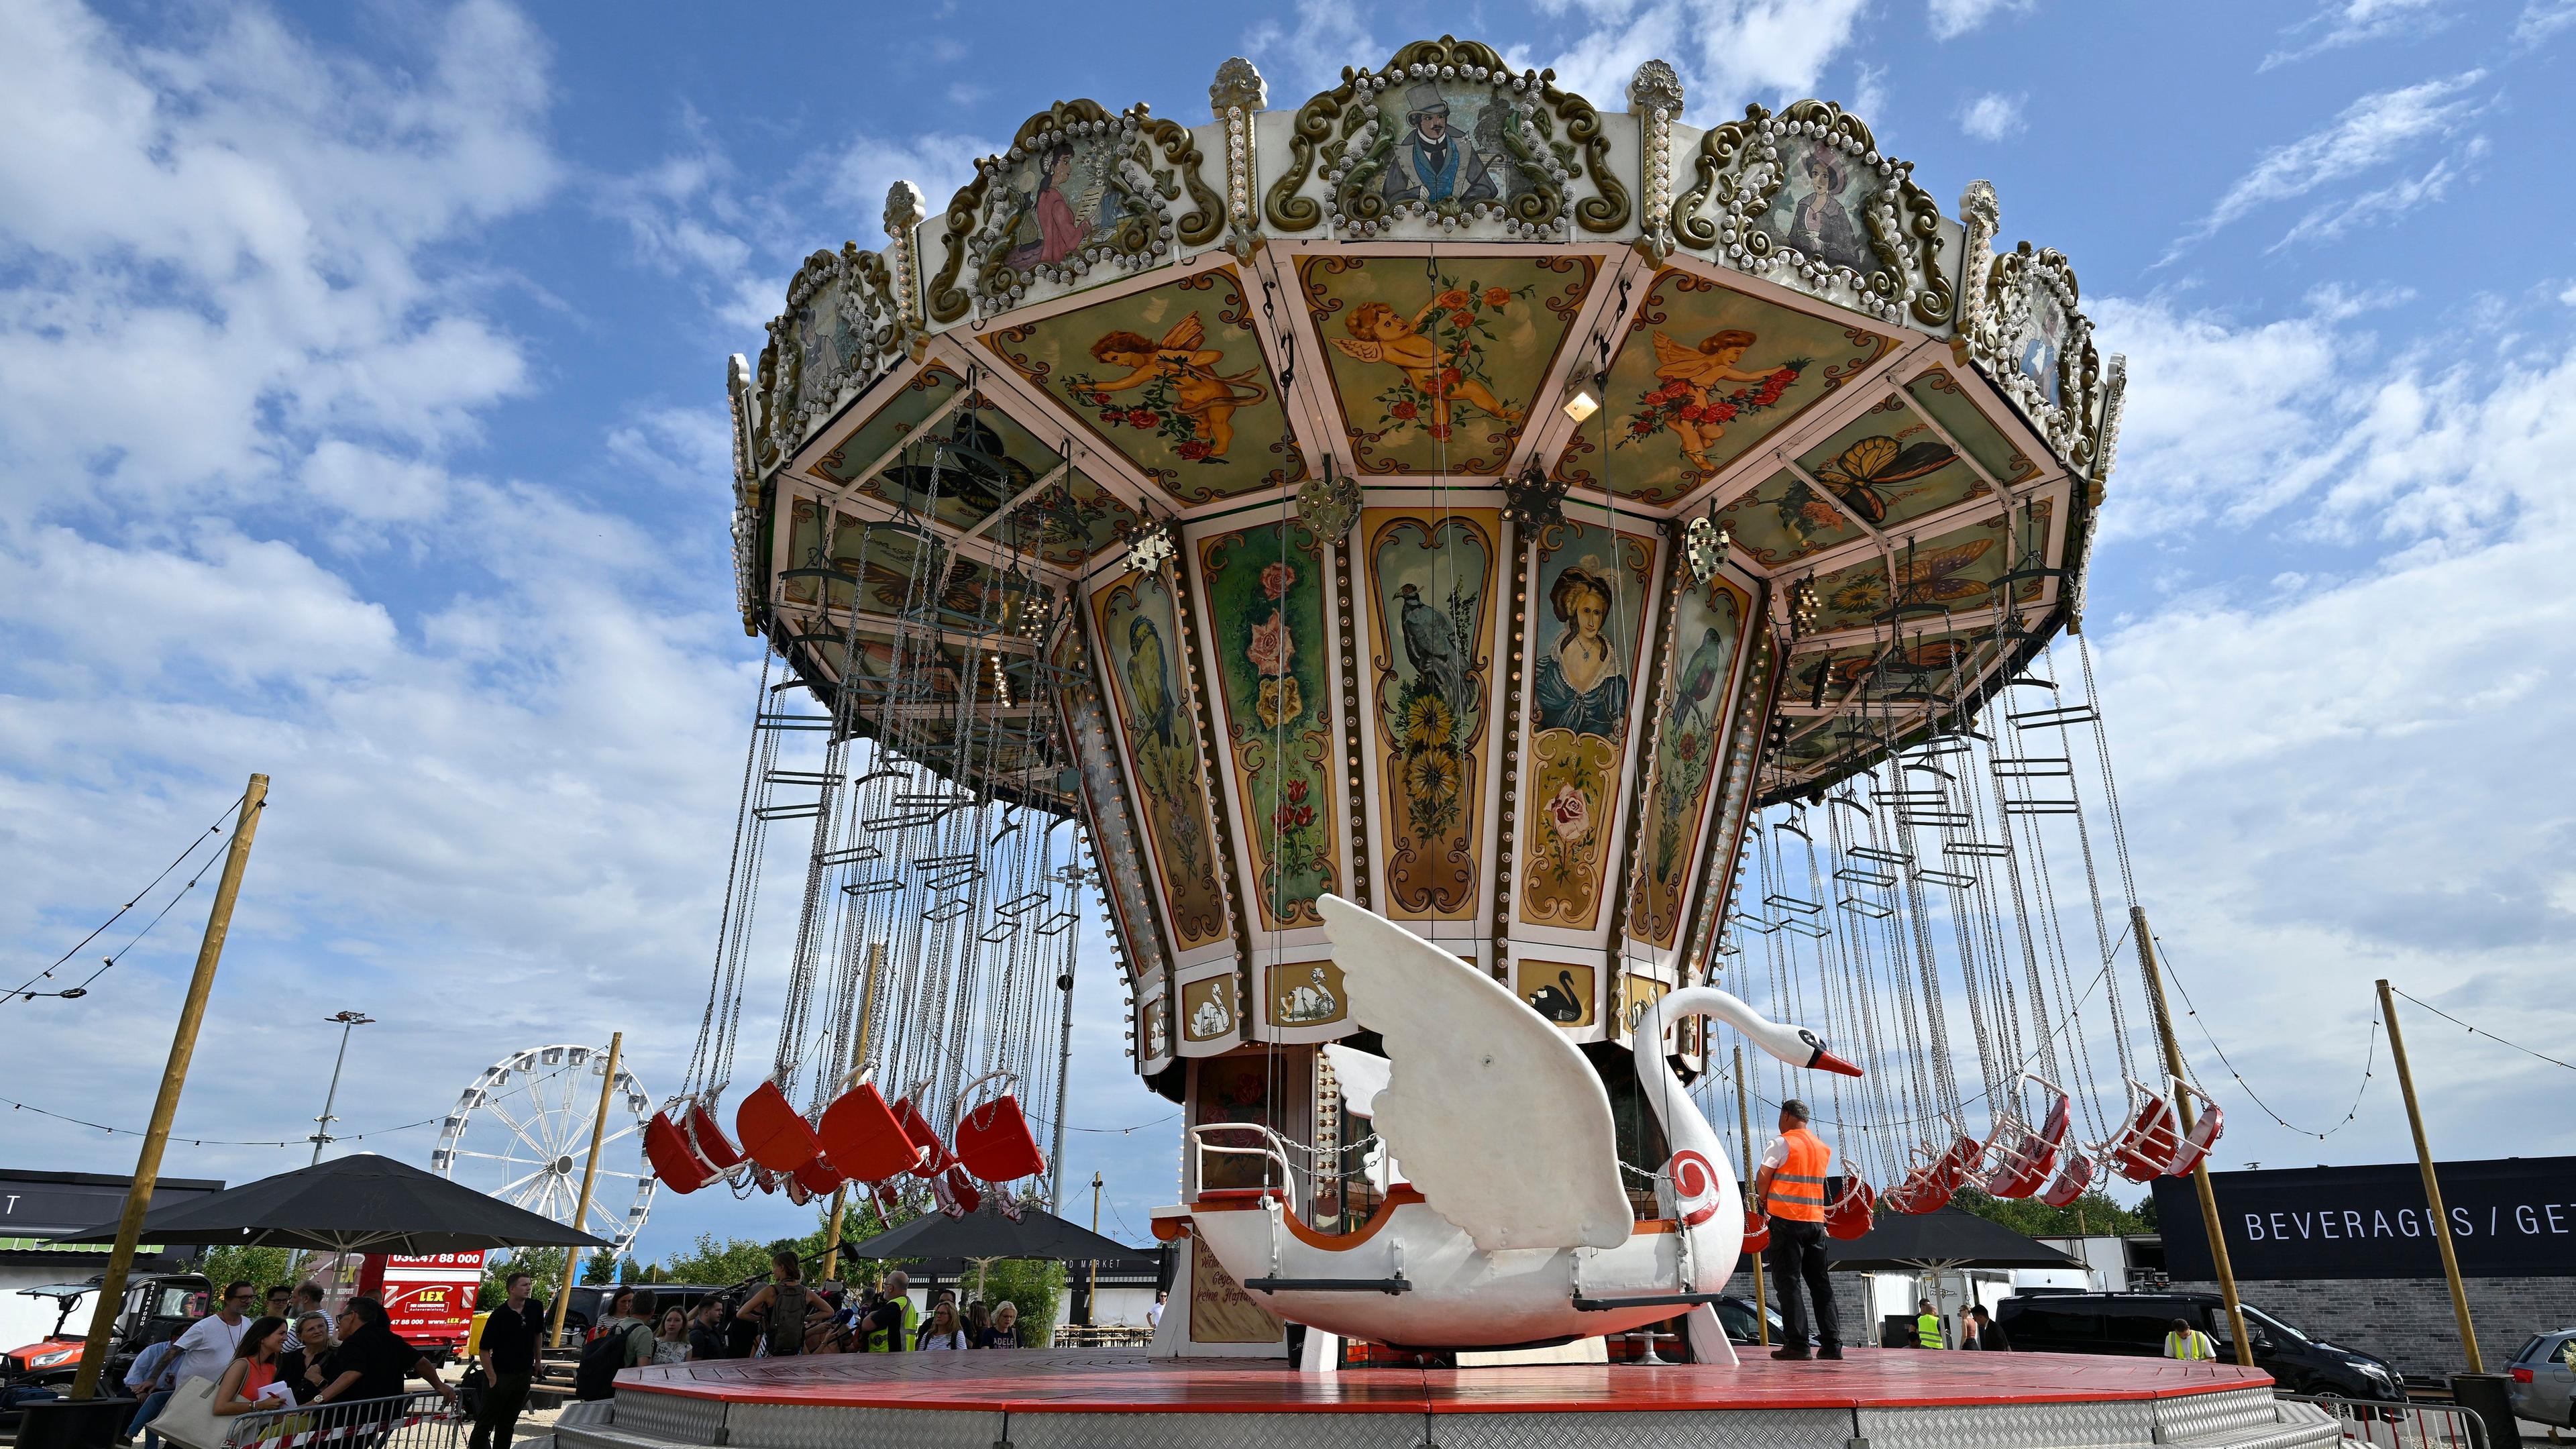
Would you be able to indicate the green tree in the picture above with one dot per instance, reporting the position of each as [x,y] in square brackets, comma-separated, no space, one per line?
[543,1264]
[264,1268]
[2094,1213]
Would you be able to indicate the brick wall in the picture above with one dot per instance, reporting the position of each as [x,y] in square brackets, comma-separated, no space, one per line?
[2408,1321]
[1849,1303]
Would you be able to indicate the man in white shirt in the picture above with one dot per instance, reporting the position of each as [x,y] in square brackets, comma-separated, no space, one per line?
[208,1345]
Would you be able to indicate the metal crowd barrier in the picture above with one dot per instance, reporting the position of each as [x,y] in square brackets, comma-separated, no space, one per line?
[2383,1425]
[406,1421]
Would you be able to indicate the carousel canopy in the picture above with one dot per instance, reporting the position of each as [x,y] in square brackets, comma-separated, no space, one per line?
[1447,490]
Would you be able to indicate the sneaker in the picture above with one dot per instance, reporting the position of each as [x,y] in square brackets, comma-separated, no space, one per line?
[1831,1350]
[1791,1354]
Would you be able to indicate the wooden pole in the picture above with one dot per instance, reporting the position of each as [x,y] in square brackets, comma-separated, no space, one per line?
[1091,1301]
[1744,1123]
[2432,1183]
[174,1077]
[2200,1169]
[867,1017]
[589,1175]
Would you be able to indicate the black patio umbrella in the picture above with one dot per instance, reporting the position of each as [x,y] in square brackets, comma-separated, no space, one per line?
[1940,1242]
[988,1234]
[357,1204]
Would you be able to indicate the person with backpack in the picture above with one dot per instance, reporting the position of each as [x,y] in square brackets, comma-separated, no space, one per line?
[622,1340]
[783,1308]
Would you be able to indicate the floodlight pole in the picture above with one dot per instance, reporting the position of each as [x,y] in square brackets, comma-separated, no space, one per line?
[174,1077]
[2211,1228]
[2432,1184]
[349,1021]
[589,1175]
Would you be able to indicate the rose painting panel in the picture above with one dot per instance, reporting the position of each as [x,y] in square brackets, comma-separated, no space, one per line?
[1431,612]
[1708,629]
[1140,638]
[1587,614]
[1266,597]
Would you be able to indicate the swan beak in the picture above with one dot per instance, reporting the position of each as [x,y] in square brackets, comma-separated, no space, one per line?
[1825,1061]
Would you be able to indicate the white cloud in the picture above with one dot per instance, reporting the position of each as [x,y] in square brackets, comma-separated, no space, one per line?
[2383,203]
[2346,773]
[2356,22]
[1954,18]
[2542,19]
[1307,54]
[2370,132]
[938,162]
[1991,117]
[1728,52]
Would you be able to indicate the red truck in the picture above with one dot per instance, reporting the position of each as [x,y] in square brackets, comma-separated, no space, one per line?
[430,1298]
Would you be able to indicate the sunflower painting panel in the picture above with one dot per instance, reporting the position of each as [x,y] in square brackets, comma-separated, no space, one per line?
[1705,374]
[1140,641]
[1587,615]
[1431,582]
[1438,373]
[1173,380]
[1707,637]
[1938,393]
[1783,520]
[1887,468]
[1265,594]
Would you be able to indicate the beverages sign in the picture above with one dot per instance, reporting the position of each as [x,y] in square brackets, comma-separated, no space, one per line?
[2510,1218]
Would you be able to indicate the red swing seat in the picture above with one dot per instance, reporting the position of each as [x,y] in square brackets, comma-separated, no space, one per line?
[709,1139]
[2149,1137]
[667,1148]
[862,1136]
[936,1158]
[2074,1175]
[956,1193]
[775,1134]
[1848,1216]
[2202,1136]
[2021,1161]
[993,1138]
[818,1176]
[1757,1232]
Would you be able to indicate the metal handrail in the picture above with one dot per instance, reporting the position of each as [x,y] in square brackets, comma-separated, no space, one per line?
[419,1420]
[2384,1424]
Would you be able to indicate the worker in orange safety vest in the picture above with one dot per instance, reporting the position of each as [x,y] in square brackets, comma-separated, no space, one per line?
[1790,1191]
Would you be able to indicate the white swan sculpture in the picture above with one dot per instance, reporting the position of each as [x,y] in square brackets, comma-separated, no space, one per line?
[1512,1227]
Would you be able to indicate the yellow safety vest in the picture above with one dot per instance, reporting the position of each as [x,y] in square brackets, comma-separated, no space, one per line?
[1927,1330]
[2192,1345]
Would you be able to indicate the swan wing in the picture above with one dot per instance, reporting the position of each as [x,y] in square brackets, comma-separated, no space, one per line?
[1499,1121]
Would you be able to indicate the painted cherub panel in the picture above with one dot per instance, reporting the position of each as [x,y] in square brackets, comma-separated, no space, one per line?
[1436,373]
[1171,378]
[1706,374]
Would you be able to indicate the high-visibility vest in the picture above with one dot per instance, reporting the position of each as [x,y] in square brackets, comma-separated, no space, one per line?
[2193,1344]
[1798,1184]
[1927,1331]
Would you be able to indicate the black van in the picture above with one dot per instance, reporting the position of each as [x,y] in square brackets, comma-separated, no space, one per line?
[2136,1324]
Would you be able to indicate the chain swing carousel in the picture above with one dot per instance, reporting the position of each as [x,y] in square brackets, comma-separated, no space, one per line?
[1501,599]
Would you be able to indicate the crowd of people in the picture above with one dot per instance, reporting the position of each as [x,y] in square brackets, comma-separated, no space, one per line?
[295,1355]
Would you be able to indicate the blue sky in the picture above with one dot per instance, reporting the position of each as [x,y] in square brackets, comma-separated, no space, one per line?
[361,421]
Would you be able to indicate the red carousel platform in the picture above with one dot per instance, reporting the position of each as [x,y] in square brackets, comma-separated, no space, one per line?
[1876,1399]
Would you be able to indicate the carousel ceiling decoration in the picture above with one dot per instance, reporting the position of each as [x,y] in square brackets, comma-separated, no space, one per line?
[1441,492]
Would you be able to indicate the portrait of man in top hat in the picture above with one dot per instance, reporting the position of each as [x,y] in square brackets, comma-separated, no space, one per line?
[1432,161]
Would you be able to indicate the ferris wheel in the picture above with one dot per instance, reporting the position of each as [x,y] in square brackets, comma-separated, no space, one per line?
[520,1132]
